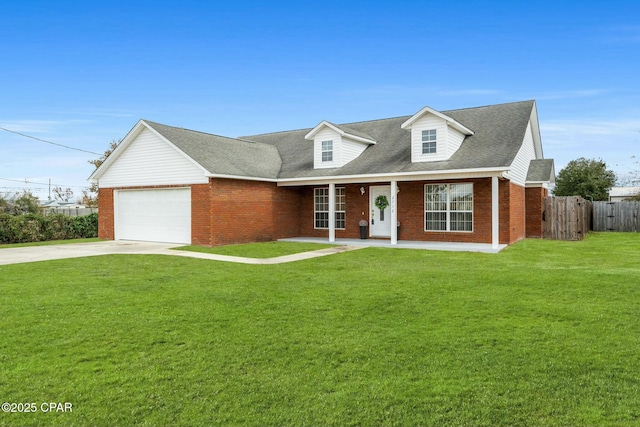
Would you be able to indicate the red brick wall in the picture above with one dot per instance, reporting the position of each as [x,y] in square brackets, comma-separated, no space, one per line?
[357,206]
[252,211]
[105,214]
[229,211]
[534,198]
[410,212]
[201,214]
[517,213]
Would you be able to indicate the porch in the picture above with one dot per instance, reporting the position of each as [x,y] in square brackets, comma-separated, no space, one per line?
[405,244]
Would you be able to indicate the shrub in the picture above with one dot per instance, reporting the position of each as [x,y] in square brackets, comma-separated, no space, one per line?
[38,228]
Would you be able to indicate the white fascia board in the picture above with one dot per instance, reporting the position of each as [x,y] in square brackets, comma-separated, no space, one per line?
[403,176]
[536,184]
[244,178]
[450,122]
[324,123]
[317,129]
[535,131]
[358,138]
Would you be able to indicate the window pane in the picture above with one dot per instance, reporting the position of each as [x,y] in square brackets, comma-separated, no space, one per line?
[327,151]
[340,220]
[340,199]
[435,197]
[461,221]
[322,219]
[429,141]
[436,221]
[461,197]
[448,207]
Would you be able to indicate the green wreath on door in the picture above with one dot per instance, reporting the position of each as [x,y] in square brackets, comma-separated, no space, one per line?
[381,202]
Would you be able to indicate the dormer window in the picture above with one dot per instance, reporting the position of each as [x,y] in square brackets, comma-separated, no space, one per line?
[335,146]
[327,151]
[434,136]
[429,141]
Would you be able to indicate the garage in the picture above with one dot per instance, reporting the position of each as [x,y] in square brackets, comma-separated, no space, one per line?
[157,215]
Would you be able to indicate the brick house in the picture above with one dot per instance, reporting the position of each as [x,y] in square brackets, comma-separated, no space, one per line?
[474,175]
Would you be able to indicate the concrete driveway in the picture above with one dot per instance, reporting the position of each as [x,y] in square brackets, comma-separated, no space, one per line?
[78,250]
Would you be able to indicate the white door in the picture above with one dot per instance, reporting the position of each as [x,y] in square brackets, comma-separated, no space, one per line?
[158,215]
[379,219]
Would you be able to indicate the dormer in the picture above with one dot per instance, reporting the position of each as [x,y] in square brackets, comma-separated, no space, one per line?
[335,146]
[434,136]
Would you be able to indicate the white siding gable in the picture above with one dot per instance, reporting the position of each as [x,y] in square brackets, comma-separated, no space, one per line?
[430,122]
[351,149]
[327,134]
[346,145]
[526,153]
[454,141]
[149,160]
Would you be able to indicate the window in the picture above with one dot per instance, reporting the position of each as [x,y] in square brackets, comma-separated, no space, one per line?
[327,151]
[321,208]
[448,207]
[429,141]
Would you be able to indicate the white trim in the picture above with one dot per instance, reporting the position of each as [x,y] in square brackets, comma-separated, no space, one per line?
[495,213]
[394,212]
[450,122]
[246,178]
[386,177]
[324,123]
[332,212]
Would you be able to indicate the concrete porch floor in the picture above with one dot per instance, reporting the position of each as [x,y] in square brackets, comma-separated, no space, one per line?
[405,244]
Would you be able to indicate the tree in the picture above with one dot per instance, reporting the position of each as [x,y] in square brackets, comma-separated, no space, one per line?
[63,195]
[90,196]
[588,178]
[19,203]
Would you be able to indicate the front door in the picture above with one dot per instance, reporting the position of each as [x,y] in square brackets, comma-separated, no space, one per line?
[380,219]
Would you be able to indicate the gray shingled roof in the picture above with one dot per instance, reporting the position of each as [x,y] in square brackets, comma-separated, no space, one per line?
[541,170]
[498,134]
[222,155]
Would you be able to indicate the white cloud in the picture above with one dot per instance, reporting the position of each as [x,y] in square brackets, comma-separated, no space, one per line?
[615,141]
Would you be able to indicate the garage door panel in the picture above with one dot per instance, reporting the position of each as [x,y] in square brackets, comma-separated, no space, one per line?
[158,215]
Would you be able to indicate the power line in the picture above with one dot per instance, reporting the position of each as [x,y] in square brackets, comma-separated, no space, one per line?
[28,182]
[49,142]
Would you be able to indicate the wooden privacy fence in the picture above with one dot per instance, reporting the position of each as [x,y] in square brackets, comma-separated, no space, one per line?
[566,218]
[616,216]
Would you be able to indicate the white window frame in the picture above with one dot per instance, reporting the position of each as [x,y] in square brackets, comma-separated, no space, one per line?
[321,208]
[449,207]
[429,141]
[327,151]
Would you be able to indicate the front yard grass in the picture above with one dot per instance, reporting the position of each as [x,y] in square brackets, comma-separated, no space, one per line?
[544,333]
[258,250]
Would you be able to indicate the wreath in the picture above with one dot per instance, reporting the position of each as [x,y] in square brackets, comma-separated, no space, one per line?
[381,202]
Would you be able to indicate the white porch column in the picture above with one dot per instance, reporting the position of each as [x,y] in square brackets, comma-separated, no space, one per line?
[495,211]
[393,204]
[332,212]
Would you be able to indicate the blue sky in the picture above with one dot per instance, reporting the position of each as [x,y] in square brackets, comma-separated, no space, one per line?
[82,73]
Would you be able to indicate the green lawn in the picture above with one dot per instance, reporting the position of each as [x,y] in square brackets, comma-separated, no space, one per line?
[544,333]
[258,250]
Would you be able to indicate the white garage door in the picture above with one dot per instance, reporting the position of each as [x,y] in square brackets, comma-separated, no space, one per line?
[159,215]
